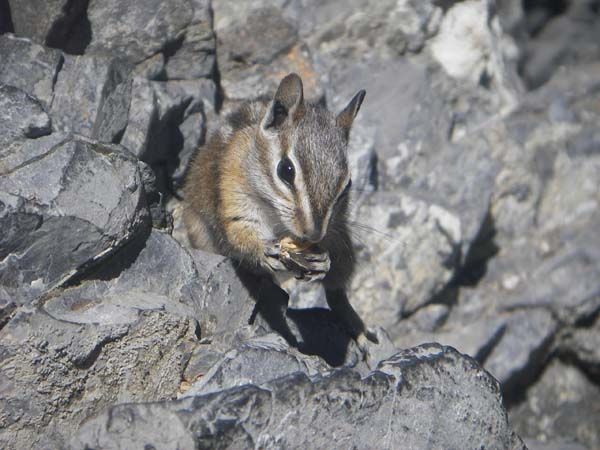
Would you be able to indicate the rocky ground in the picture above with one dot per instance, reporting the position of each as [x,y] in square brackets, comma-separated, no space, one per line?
[476,174]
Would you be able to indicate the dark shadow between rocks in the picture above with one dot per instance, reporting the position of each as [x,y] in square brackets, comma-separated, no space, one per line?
[6,25]
[314,331]
[322,334]
[473,268]
[112,266]
[514,389]
[539,12]
[482,250]
[72,33]
[220,94]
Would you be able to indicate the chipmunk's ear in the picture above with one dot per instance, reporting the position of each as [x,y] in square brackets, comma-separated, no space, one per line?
[346,117]
[287,104]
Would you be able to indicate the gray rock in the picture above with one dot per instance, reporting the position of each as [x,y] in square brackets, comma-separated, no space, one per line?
[193,132]
[101,86]
[521,353]
[157,111]
[583,343]
[133,280]
[475,338]
[408,251]
[139,31]
[46,22]
[402,405]
[57,219]
[51,380]
[560,406]
[566,36]
[123,333]
[197,44]
[256,361]
[554,444]
[22,117]
[257,45]
[29,67]
[244,299]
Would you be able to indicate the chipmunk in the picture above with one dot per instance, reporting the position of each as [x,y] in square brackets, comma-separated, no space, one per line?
[275,172]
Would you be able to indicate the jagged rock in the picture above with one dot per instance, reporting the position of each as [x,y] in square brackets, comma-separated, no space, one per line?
[122,334]
[197,44]
[157,110]
[51,380]
[552,35]
[30,67]
[408,251]
[22,118]
[583,344]
[257,45]
[256,361]
[66,203]
[475,338]
[560,406]
[102,87]
[46,22]
[346,410]
[139,31]
[522,351]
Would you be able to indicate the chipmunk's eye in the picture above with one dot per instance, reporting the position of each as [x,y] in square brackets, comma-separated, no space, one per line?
[286,171]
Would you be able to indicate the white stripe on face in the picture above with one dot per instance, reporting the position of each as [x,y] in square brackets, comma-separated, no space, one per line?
[301,189]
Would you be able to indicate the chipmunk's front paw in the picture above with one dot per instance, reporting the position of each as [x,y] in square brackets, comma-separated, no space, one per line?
[272,258]
[310,265]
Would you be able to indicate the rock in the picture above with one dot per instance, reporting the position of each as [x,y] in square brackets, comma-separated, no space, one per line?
[583,344]
[102,87]
[7,308]
[522,351]
[475,338]
[51,381]
[46,22]
[157,111]
[555,444]
[197,44]
[431,317]
[554,36]
[256,361]
[29,67]
[408,250]
[22,118]
[123,333]
[165,127]
[347,411]
[56,220]
[560,406]
[362,160]
[138,32]
[256,47]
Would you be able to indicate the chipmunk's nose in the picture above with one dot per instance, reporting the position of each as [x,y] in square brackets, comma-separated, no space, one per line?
[315,233]
[313,236]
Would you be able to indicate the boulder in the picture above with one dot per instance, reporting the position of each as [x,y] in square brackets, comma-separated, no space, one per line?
[102,87]
[139,31]
[29,67]
[57,221]
[403,404]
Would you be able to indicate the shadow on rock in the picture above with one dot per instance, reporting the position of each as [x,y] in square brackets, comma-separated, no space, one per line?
[313,331]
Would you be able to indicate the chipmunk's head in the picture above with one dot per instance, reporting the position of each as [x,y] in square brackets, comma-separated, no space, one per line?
[303,150]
